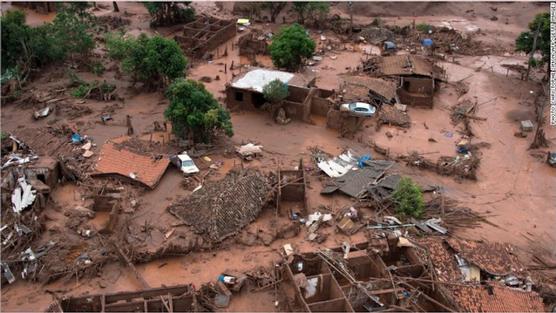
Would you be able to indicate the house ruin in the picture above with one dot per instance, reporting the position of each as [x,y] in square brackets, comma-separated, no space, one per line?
[416,77]
[205,34]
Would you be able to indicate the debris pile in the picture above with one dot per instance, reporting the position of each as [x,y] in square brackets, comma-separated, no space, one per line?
[221,209]
[390,115]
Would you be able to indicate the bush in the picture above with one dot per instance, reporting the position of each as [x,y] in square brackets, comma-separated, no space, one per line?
[194,112]
[155,61]
[408,198]
[97,68]
[290,46]
[275,91]
[81,91]
[424,28]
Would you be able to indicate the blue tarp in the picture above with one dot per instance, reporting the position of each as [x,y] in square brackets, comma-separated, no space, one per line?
[427,42]
[361,161]
[75,138]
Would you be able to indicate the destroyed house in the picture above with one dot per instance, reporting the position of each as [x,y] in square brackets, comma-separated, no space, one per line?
[119,158]
[368,89]
[480,277]
[417,78]
[246,92]
[358,279]
[205,34]
[179,298]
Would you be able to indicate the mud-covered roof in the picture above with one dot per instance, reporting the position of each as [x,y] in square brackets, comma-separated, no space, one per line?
[117,160]
[408,64]
[358,87]
[257,78]
[494,258]
[222,208]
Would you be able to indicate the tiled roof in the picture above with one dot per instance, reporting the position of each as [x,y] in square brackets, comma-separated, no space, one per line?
[444,262]
[494,258]
[123,162]
[497,299]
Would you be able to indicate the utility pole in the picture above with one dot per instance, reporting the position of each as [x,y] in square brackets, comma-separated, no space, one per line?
[532,51]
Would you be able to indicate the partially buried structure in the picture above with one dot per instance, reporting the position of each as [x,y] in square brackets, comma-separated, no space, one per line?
[205,34]
[246,92]
[417,78]
[130,159]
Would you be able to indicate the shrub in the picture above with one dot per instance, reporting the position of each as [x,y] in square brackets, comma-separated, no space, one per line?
[424,28]
[81,91]
[408,198]
[275,91]
[290,46]
[194,112]
[97,68]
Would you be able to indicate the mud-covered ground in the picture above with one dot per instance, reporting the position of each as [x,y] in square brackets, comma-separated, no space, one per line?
[514,184]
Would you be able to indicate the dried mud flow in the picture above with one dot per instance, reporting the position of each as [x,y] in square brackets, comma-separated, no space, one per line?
[514,186]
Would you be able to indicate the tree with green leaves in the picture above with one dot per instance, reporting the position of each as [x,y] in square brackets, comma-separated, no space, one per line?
[290,46]
[408,198]
[155,61]
[169,13]
[26,48]
[313,11]
[526,40]
[275,91]
[194,112]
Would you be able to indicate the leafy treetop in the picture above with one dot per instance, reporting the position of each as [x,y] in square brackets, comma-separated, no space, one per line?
[194,112]
[155,61]
[408,198]
[290,46]
[275,91]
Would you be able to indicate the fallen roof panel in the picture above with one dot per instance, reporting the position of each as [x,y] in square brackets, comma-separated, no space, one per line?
[141,168]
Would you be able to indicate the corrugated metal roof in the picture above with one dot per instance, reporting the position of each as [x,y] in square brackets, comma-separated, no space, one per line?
[258,78]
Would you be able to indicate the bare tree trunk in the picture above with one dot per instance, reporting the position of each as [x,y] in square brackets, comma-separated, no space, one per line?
[115,5]
[350,4]
[532,51]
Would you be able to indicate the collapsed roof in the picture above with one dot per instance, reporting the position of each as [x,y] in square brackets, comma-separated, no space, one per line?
[222,208]
[118,159]
[359,88]
[452,260]
[403,65]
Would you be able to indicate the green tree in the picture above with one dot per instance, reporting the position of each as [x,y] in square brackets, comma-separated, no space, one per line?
[275,91]
[155,61]
[25,48]
[290,46]
[524,41]
[408,198]
[169,13]
[314,11]
[194,112]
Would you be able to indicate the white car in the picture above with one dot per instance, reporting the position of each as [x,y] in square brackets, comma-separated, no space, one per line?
[361,109]
[184,162]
